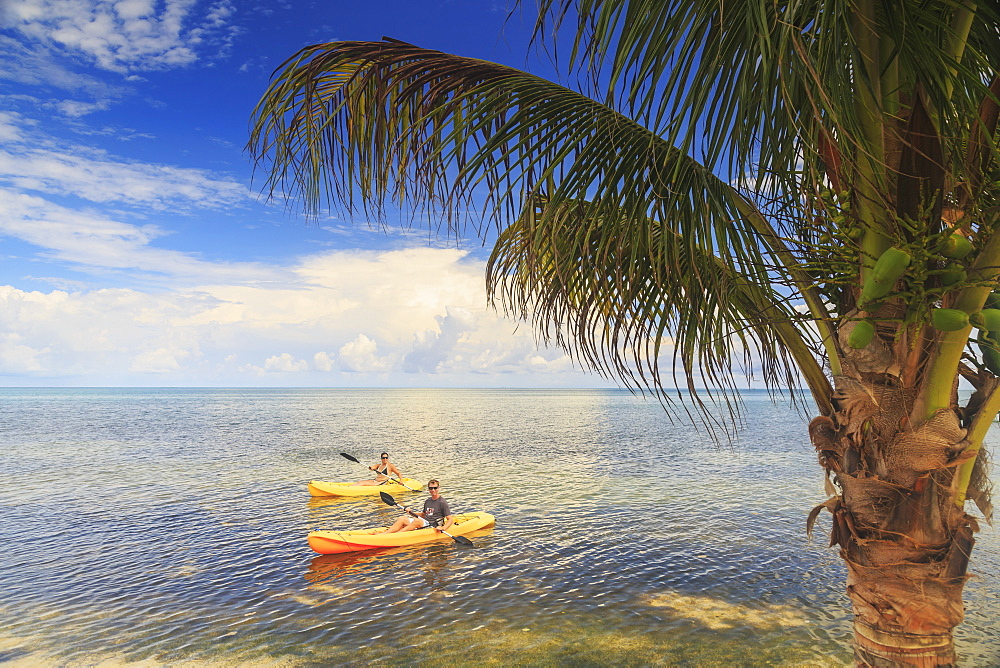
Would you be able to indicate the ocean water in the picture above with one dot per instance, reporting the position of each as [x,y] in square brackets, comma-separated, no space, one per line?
[168,527]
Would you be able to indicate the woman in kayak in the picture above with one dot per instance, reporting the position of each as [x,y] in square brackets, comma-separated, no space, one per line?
[436,513]
[382,471]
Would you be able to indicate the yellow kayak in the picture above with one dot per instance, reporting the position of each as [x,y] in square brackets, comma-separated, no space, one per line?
[335,542]
[321,488]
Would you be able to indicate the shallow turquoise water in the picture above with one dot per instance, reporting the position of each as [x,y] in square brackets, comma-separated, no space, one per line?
[168,526]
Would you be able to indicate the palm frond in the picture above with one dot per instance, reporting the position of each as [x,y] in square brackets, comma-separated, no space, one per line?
[752,86]
[354,122]
[621,294]
[362,122]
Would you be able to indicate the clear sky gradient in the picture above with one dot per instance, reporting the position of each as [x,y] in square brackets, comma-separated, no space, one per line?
[138,251]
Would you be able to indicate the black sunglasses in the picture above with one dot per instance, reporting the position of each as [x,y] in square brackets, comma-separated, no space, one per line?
[385,458]
[431,487]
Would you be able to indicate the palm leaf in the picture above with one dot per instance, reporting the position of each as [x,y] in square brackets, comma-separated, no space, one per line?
[358,123]
[352,121]
[620,294]
[752,86]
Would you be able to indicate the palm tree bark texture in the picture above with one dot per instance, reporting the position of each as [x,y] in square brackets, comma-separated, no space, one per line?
[804,192]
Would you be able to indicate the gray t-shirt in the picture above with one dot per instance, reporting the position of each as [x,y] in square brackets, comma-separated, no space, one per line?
[436,511]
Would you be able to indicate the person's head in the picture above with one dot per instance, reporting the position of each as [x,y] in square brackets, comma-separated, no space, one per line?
[434,487]
[384,456]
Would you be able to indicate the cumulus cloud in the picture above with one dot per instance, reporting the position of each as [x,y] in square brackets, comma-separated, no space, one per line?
[433,348]
[361,356]
[284,362]
[348,317]
[123,35]
[323,361]
[163,359]
[344,318]
[405,316]
[18,357]
[62,334]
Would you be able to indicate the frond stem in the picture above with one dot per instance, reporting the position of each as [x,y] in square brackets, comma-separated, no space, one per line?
[867,77]
[803,282]
[961,25]
[976,434]
[936,393]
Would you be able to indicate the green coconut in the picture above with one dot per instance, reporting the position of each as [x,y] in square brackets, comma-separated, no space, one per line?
[861,335]
[990,319]
[890,265]
[957,246]
[991,355]
[993,300]
[949,319]
[953,273]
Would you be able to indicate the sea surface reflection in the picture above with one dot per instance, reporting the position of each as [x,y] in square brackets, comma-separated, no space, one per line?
[168,526]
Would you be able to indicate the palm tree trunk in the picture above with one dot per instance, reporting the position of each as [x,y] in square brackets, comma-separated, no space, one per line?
[904,540]
[906,593]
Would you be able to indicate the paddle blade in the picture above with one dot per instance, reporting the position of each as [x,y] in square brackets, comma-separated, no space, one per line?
[462,540]
[347,456]
[387,499]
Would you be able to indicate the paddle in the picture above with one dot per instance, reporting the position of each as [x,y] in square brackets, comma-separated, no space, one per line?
[389,501]
[356,461]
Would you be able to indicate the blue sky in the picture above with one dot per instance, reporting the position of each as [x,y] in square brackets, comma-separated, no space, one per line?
[137,250]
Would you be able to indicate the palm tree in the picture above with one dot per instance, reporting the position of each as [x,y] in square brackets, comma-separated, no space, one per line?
[810,187]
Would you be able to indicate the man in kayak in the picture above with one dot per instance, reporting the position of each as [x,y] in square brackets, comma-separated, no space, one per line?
[436,513]
[382,472]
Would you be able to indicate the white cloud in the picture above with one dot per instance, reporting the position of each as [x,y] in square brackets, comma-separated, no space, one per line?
[285,362]
[36,65]
[323,361]
[361,356]
[364,305]
[122,35]
[76,108]
[101,331]
[18,357]
[347,317]
[432,349]
[96,177]
[100,238]
[91,239]
[163,359]
[10,126]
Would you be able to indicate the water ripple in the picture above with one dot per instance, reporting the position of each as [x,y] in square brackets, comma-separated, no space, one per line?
[168,526]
